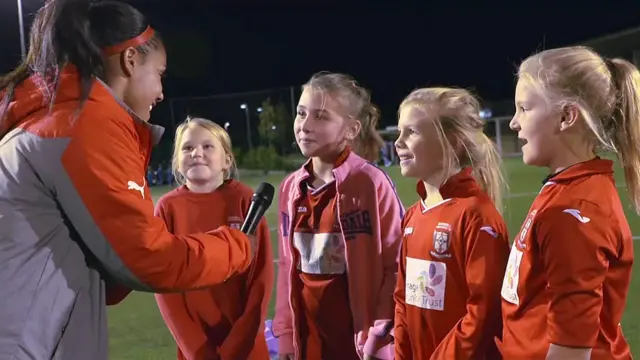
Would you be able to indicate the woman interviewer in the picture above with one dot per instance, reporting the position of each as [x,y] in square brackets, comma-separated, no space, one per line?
[77,229]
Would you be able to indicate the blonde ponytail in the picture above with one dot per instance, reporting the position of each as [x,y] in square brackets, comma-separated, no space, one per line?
[625,128]
[369,142]
[487,169]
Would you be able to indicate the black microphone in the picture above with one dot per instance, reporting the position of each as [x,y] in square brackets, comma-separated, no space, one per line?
[260,202]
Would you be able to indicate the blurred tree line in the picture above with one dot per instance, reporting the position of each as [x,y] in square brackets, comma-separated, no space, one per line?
[275,128]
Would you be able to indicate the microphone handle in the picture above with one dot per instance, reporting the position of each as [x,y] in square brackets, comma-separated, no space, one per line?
[255,220]
[254,215]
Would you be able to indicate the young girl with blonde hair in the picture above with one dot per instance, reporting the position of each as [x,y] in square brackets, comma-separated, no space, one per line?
[225,321]
[569,271]
[455,243]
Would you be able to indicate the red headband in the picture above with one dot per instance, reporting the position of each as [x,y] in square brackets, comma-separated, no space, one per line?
[146,35]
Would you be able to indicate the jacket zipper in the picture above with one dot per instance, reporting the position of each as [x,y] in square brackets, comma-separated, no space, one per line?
[294,258]
[346,256]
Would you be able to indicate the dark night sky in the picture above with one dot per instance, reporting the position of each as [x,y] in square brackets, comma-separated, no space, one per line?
[391,49]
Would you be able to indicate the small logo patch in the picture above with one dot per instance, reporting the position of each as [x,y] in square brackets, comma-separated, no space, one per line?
[441,241]
[132,185]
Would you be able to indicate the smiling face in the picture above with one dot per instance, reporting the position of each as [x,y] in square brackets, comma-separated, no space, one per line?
[136,78]
[145,89]
[419,145]
[320,128]
[202,158]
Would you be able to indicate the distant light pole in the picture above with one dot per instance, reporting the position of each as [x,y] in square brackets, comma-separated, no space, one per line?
[245,107]
[273,129]
[23,45]
[226,126]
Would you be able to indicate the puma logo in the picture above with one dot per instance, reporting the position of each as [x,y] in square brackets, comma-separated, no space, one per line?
[576,214]
[132,185]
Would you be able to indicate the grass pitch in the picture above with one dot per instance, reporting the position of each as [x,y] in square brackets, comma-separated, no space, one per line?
[137,331]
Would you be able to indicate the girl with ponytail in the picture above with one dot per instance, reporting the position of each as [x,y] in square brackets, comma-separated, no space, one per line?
[575,249]
[78,229]
[455,243]
[339,231]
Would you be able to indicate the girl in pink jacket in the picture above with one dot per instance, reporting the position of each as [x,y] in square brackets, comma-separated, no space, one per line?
[339,230]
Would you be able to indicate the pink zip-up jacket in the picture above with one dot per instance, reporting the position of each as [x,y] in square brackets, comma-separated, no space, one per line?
[372,259]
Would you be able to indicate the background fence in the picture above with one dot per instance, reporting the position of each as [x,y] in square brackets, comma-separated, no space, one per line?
[497,129]
[240,113]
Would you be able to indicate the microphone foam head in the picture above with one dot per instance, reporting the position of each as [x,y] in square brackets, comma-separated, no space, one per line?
[265,193]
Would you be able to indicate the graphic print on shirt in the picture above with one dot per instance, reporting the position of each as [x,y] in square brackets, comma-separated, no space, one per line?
[356,222]
[511,279]
[425,283]
[441,241]
[317,236]
[525,229]
[321,253]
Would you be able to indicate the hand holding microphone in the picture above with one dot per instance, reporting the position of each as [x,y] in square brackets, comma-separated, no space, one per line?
[260,202]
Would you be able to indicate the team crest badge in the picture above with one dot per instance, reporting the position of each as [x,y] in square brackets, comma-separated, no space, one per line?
[441,241]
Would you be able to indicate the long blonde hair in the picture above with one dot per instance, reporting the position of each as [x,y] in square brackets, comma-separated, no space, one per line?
[607,94]
[216,131]
[356,100]
[459,118]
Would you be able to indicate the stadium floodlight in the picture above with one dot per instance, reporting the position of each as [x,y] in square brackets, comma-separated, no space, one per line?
[245,107]
[486,113]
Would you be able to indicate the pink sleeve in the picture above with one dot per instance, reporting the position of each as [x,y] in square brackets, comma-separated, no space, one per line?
[283,319]
[390,212]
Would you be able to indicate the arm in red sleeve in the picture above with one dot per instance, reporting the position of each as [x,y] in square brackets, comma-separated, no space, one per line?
[104,195]
[246,329]
[187,331]
[400,332]
[487,252]
[574,244]
[116,293]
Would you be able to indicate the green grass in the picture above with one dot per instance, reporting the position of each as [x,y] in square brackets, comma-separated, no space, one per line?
[136,329]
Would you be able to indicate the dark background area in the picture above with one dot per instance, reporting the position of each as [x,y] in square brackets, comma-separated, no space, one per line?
[391,47]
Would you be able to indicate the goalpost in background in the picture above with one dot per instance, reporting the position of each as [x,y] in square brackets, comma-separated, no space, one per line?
[497,129]
[239,114]
[506,139]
